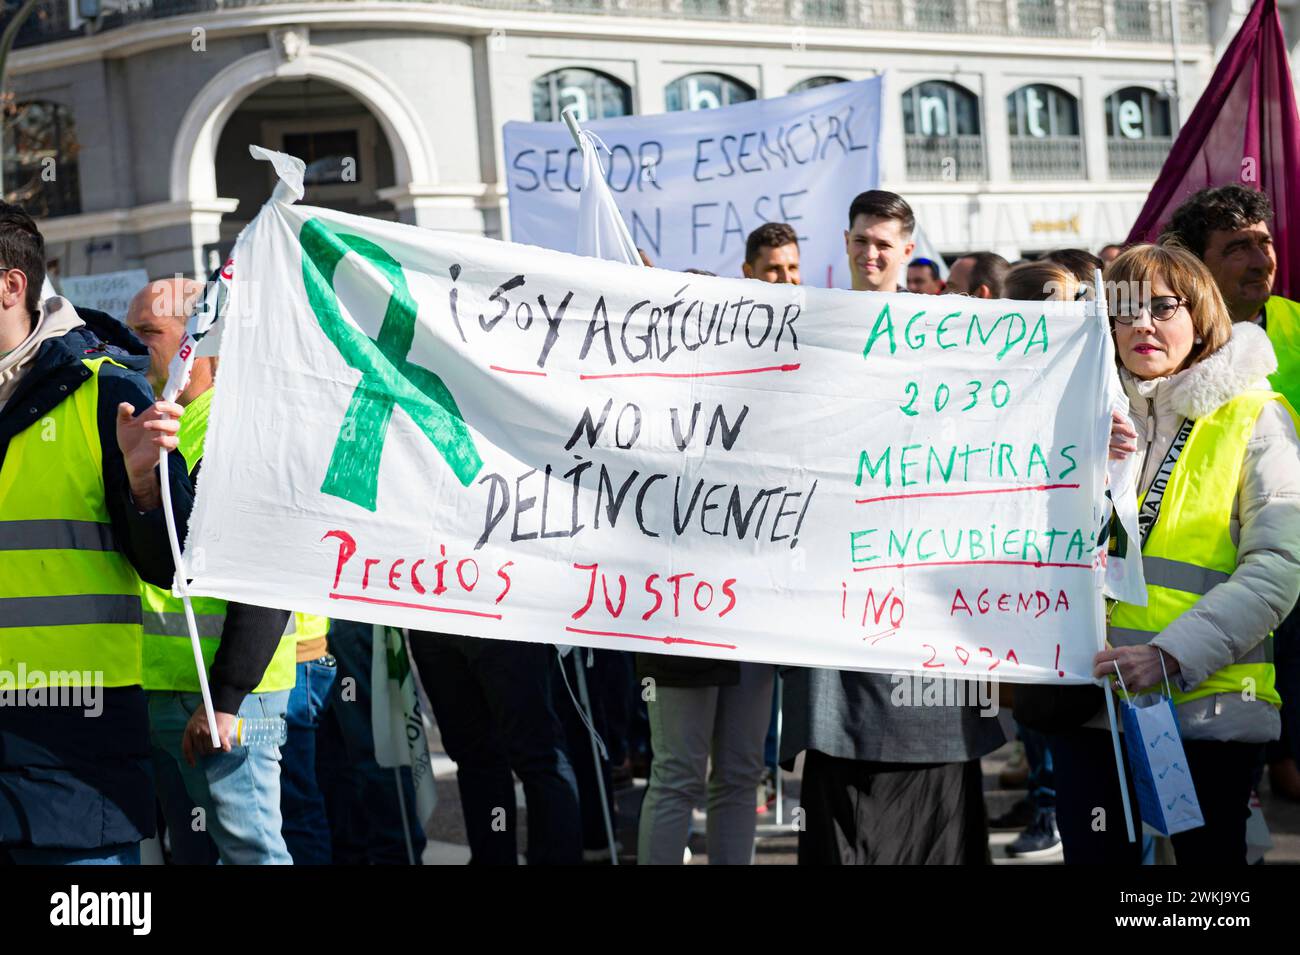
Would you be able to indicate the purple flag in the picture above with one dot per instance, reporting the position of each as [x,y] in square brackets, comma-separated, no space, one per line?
[1245,130]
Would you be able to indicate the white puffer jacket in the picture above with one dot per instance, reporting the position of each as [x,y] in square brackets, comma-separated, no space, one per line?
[1237,614]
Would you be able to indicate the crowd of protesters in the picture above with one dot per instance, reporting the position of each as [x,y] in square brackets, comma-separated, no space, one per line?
[1209,361]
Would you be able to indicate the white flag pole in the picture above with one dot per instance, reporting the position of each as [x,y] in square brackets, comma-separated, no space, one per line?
[1099,306]
[406,819]
[571,121]
[182,587]
[578,668]
[178,377]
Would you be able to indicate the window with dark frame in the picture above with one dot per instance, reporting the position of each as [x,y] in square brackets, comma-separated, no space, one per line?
[594,95]
[813,82]
[40,156]
[332,156]
[706,91]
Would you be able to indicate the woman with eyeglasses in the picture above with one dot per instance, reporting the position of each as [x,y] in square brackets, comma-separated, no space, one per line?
[1219,513]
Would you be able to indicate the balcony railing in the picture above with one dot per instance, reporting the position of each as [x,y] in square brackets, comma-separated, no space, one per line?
[1149,20]
[945,158]
[579,6]
[821,12]
[48,21]
[937,16]
[1038,17]
[1133,20]
[1135,17]
[1051,157]
[1137,158]
[704,9]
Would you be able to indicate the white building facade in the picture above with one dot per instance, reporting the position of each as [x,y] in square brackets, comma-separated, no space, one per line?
[1011,125]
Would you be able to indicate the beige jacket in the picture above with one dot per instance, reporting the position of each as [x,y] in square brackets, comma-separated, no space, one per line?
[1237,614]
[55,319]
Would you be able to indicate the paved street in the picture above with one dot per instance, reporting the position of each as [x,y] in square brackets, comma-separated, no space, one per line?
[777,844]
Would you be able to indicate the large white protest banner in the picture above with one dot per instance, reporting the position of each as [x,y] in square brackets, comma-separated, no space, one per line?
[693,185]
[457,434]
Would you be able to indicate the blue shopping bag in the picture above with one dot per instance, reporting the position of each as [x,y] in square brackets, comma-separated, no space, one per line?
[1166,796]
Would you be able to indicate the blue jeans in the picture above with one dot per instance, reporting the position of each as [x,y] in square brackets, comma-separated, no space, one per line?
[127,853]
[189,846]
[239,791]
[1042,778]
[306,828]
[361,798]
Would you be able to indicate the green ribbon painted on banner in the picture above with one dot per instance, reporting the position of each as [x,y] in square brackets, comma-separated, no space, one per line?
[388,379]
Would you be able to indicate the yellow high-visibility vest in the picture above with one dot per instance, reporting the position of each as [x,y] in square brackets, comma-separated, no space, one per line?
[311,626]
[168,659]
[1190,549]
[1282,322]
[69,598]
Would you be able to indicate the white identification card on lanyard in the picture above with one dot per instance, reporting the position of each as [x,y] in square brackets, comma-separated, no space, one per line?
[1150,509]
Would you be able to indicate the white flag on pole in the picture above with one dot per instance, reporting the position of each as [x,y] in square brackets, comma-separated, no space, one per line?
[602,233]
[397,719]
[202,332]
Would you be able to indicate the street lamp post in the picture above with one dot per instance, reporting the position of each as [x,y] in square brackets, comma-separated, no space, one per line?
[11,31]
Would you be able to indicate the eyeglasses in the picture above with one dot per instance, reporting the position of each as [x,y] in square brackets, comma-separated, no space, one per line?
[1162,308]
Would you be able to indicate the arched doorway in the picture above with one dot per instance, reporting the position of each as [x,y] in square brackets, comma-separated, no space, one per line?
[194,166]
[348,155]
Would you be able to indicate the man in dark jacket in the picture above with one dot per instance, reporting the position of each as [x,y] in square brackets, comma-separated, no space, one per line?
[81,522]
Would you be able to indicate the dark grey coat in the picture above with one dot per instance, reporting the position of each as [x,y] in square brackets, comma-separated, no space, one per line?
[851,715]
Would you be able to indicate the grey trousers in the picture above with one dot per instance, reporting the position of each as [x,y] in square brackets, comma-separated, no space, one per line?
[688,725]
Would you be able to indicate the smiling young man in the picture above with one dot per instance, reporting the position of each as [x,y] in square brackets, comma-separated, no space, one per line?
[879,241]
[1228,229]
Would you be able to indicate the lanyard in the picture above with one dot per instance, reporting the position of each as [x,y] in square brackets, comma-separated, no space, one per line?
[1155,495]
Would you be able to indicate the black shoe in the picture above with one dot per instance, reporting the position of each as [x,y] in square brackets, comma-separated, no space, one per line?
[621,775]
[1041,840]
[1016,818]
